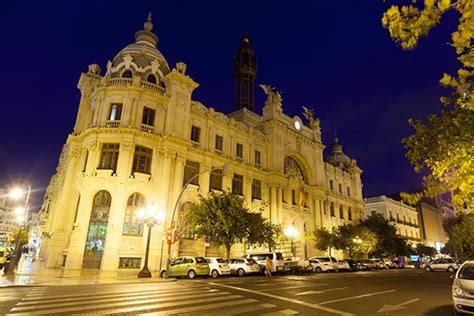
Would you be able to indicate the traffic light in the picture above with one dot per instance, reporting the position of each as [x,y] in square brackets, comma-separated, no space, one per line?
[175,235]
[169,236]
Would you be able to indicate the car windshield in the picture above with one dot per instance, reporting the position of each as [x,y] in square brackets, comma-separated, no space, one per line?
[220,260]
[466,272]
[200,260]
[279,256]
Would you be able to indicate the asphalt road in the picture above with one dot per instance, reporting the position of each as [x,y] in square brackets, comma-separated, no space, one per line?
[388,292]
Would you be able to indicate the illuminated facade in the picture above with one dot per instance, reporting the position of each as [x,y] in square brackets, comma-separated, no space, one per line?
[139,136]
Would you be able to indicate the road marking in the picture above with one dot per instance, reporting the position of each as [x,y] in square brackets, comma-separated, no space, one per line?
[121,307]
[189,310]
[390,308]
[355,297]
[292,287]
[165,305]
[247,309]
[291,283]
[283,312]
[41,301]
[286,299]
[322,291]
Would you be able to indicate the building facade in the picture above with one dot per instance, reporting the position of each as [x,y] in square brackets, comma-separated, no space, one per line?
[403,216]
[431,222]
[8,218]
[140,136]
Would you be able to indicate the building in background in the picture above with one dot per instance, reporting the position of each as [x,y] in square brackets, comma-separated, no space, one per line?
[8,218]
[403,216]
[432,213]
[139,137]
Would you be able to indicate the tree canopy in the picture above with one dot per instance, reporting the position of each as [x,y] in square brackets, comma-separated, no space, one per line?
[460,231]
[225,218]
[442,144]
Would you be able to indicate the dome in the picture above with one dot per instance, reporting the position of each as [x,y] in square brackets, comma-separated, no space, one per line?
[337,157]
[141,58]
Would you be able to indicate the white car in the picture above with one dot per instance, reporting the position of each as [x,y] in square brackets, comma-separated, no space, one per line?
[218,266]
[442,264]
[320,265]
[277,263]
[463,289]
[243,266]
[343,265]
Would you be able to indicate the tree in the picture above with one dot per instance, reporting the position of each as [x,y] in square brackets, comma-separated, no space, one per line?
[355,240]
[13,237]
[324,240]
[226,219]
[389,243]
[368,242]
[443,143]
[460,231]
[424,250]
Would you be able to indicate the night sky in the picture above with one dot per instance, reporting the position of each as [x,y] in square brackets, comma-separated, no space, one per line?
[333,56]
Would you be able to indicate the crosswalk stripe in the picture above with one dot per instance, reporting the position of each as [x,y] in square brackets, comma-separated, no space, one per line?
[99,301]
[246,309]
[118,291]
[41,301]
[292,287]
[165,305]
[194,309]
[283,312]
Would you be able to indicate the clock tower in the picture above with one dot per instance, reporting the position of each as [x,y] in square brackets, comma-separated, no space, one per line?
[245,71]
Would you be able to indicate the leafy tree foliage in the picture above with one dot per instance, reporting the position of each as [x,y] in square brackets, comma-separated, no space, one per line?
[425,250]
[324,240]
[460,231]
[443,143]
[389,243]
[228,221]
[14,235]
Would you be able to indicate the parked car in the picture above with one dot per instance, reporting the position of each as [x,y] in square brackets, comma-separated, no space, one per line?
[243,266]
[4,254]
[362,265]
[389,264]
[217,266]
[276,258]
[319,265]
[463,289]
[442,264]
[398,264]
[378,263]
[190,267]
[343,265]
[331,260]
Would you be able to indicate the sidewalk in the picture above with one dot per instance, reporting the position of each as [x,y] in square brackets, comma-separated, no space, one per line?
[34,273]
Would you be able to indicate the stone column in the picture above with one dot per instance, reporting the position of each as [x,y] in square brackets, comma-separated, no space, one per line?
[273,203]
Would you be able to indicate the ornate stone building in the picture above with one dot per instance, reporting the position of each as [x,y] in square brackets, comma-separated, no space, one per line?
[140,136]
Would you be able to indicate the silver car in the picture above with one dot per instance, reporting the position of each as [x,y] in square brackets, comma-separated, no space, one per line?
[442,264]
[463,289]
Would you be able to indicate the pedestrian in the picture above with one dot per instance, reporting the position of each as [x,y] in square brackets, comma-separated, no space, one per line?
[268,267]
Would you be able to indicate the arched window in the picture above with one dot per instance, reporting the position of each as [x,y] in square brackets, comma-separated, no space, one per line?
[127,73]
[132,225]
[101,207]
[292,169]
[151,78]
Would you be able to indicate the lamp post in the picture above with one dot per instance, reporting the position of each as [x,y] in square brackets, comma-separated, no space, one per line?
[291,233]
[151,217]
[22,218]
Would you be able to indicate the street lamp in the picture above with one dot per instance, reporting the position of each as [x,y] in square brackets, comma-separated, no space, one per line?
[18,193]
[151,217]
[357,241]
[291,233]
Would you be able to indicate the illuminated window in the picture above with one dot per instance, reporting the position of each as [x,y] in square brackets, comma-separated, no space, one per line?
[256,189]
[142,160]
[132,225]
[216,180]
[191,169]
[129,263]
[115,112]
[238,184]
[195,133]
[109,156]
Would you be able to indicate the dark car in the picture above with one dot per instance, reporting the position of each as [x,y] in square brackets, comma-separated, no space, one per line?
[362,265]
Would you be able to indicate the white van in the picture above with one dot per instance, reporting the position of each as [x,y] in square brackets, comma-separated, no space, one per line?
[276,258]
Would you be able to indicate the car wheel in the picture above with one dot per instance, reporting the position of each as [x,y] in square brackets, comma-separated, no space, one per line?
[240,272]
[191,274]
[214,274]
[451,269]
[428,269]
[318,270]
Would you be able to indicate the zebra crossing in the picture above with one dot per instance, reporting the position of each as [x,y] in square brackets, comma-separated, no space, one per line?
[163,299]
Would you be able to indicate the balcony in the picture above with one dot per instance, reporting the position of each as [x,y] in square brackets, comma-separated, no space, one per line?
[147,128]
[153,87]
[119,82]
[129,82]
[112,123]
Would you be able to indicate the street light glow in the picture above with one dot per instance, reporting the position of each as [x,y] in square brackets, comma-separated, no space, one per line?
[291,232]
[16,193]
[20,218]
[141,213]
[19,210]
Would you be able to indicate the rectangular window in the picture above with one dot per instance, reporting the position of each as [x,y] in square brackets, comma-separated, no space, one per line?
[142,160]
[333,214]
[129,263]
[257,158]
[340,188]
[283,196]
[239,151]
[331,185]
[238,184]
[374,212]
[148,117]
[115,113]
[219,143]
[293,197]
[256,190]
[191,169]
[195,133]
[109,156]
[348,191]
[341,212]
[349,214]
[216,180]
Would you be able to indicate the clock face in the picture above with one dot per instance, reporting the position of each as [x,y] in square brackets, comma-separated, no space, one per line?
[297,125]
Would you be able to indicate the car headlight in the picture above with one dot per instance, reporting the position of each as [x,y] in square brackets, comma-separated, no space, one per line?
[457,290]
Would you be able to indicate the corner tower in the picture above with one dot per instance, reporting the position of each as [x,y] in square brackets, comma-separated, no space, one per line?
[245,71]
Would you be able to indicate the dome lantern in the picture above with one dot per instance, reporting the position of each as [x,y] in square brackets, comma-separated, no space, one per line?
[337,157]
